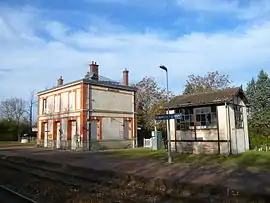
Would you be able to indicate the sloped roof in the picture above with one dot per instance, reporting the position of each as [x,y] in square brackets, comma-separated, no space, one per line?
[211,97]
[102,81]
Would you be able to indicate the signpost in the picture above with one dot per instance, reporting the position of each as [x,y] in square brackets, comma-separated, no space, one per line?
[169,116]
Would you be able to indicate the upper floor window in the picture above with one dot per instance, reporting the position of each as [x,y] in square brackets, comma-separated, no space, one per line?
[44,105]
[238,116]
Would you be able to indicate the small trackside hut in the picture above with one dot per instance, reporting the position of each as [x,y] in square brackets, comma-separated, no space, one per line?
[212,122]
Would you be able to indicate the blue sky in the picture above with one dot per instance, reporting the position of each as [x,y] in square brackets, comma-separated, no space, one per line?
[43,39]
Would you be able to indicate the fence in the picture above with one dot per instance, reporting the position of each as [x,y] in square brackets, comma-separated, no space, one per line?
[147,143]
[265,148]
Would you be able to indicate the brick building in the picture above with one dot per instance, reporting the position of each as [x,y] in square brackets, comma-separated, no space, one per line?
[91,113]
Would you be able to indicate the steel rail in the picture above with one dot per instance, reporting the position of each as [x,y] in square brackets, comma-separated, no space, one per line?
[8,195]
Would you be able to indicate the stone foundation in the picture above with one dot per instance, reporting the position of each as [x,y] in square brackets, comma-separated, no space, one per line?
[197,147]
[92,146]
[111,144]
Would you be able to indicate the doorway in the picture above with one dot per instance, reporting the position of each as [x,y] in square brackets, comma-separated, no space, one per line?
[127,129]
[58,134]
[74,135]
[45,133]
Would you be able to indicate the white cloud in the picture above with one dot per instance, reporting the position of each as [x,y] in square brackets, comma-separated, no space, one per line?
[249,10]
[37,61]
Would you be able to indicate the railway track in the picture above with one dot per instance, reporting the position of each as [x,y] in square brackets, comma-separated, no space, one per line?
[57,173]
[48,174]
[7,196]
[77,182]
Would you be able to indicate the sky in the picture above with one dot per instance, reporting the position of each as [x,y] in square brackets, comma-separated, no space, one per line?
[41,40]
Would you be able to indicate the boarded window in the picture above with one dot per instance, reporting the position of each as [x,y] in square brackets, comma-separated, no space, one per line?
[57,103]
[72,101]
[44,106]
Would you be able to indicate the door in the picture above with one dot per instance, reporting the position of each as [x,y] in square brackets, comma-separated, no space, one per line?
[126,130]
[74,137]
[58,135]
[94,130]
[45,134]
[89,146]
[41,141]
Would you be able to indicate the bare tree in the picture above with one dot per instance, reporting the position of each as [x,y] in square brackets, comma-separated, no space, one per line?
[150,101]
[13,109]
[210,81]
[32,101]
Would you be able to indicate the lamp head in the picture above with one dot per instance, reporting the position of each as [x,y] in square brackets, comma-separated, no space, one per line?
[163,68]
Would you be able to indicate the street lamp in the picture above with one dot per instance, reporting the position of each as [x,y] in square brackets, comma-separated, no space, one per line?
[168,121]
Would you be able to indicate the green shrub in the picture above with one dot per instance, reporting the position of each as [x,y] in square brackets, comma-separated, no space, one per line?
[257,139]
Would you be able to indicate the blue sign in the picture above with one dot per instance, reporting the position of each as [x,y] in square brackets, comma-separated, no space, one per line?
[169,116]
[162,117]
[177,116]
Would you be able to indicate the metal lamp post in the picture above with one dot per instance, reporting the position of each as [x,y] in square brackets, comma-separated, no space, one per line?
[168,121]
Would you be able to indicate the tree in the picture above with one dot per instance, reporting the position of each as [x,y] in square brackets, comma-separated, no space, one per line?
[260,122]
[258,92]
[13,109]
[210,81]
[250,92]
[150,101]
[30,104]
[258,95]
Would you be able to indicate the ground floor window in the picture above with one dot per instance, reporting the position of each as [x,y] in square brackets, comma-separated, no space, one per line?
[187,120]
[206,117]
[238,116]
[200,117]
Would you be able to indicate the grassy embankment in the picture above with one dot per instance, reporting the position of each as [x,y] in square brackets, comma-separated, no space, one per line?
[16,143]
[251,160]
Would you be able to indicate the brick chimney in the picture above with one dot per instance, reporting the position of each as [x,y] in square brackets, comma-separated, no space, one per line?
[94,69]
[60,81]
[125,77]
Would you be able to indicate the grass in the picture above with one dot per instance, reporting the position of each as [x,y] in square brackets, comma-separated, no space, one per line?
[251,160]
[16,143]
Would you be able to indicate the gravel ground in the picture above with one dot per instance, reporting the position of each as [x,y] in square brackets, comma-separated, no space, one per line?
[49,191]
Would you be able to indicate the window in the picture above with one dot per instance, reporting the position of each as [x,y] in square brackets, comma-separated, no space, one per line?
[187,120]
[206,117]
[238,116]
[44,106]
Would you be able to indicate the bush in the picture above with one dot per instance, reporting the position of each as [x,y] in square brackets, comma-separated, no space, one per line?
[9,130]
[257,139]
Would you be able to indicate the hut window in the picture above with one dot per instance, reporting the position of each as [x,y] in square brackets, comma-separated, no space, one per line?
[206,117]
[186,122]
[238,115]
